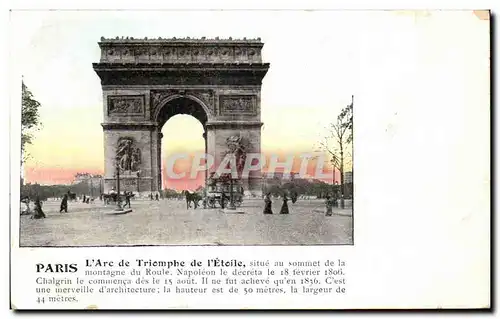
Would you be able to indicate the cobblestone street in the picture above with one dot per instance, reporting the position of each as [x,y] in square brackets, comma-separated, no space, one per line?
[168,222]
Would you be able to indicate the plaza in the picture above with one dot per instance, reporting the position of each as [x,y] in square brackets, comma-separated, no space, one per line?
[169,222]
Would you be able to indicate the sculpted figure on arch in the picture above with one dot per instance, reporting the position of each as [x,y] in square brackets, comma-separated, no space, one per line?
[237,147]
[128,157]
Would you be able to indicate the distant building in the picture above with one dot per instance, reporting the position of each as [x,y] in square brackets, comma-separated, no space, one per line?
[347,177]
[88,178]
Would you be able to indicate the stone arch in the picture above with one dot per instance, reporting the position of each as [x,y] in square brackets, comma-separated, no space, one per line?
[166,100]
[137,86]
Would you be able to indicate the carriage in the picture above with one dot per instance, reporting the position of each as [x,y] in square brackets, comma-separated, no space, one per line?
[113,197]
[222,189]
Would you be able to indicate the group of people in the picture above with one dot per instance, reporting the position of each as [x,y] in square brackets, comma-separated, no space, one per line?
[284,207]
[329,203]
[155,197]
[38,213]
[87,199]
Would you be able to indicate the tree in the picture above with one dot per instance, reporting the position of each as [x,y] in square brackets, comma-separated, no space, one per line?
[340,133]
[346,116]
[30,120]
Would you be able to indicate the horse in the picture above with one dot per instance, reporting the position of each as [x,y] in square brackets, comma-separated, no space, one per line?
[191,197]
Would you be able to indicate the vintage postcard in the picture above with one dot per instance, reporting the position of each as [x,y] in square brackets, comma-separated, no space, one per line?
[205,159]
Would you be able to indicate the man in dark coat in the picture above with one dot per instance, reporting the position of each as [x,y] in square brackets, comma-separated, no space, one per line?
[127,199]
[64,204]
[284,207]
[222,200]
[38,209]
[268,204]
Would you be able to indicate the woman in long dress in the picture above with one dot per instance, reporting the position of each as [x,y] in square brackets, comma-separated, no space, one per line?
[38,209]
[284,207]
[268,207]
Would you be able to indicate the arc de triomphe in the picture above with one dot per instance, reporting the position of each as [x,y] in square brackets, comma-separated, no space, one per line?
[147,81]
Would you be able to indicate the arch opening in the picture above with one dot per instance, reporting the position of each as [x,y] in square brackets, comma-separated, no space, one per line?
[181,124]
[181,105]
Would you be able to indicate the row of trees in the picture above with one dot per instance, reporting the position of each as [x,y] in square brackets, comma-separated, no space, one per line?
[338,143]
[52,191]
[306,187]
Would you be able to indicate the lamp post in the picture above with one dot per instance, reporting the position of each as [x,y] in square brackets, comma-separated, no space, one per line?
[231,195]
[91,187]
[100,185]
[118,199]
[138,181]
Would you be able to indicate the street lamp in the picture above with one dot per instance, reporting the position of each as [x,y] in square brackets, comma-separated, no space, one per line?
[138,181]
[118,199]
[91,187]
[231,195]
[100,185]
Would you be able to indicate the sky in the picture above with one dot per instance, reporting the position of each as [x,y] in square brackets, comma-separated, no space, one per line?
[318,59]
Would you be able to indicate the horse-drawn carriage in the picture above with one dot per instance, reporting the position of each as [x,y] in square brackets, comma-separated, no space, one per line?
[219,192]
[113,197]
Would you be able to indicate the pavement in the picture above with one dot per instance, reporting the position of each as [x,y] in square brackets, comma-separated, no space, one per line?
[169,222]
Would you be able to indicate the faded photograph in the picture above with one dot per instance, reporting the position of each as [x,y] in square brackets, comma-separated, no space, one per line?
[140,128]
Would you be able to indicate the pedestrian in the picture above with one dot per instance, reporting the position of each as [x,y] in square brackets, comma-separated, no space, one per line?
[64,204]
[268,204]
[157,197]
[222,200]
[284,207]
[84,199]
[38,209]
[127,200]
[294,196]
[329,202]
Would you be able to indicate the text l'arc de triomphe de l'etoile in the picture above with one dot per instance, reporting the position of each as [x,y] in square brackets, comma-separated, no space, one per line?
[147,81]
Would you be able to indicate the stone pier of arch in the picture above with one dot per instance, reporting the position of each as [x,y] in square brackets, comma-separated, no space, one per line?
[146,82]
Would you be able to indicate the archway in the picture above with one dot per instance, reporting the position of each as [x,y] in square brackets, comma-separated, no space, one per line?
[147,81]
[181,122]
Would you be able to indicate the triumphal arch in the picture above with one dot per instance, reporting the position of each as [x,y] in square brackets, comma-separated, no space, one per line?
[147,81]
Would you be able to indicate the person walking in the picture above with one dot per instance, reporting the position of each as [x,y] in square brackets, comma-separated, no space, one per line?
[268,204]
[64,204]
[329,202]
[38,209]
[284,207]
[127,199]
[223,200]
[294,196]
